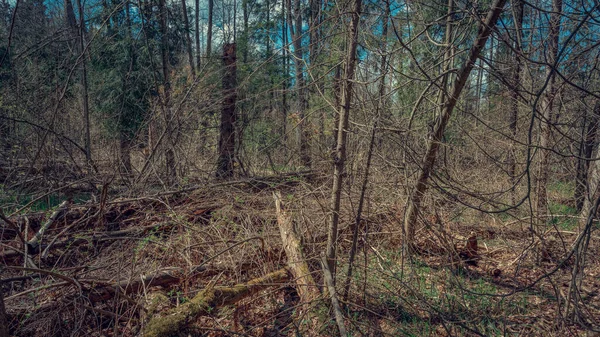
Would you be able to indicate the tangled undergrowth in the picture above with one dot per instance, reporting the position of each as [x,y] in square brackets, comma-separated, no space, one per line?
[107,268]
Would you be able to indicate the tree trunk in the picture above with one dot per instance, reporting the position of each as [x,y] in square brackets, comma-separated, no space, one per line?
[442,96]
[547,115]
[588,144]
[302,100]
[80,49]
[209,28]
[207,301]
[125,153]
[124,132]
[228,116]
[414,206]
[340,151]
[84,85]
[4,332]
[292,245]
[197,35]
[164,49]
[246,33]
[514,112]
[188,40]
[284,82]
[363,189]
[317,85]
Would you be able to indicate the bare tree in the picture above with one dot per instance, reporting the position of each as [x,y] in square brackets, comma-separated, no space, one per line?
[547,116]
[188,40]
[164,51]
[416,197]
[586,152]
[516,82]
[209,31]
[340,150]
[197,35]
[4,332]
[302,99]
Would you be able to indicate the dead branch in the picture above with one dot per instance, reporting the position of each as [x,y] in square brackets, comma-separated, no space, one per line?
[8,254]
[35,241]
[292,244]
[162,278]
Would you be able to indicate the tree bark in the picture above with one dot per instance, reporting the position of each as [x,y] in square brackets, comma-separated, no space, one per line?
[207,300]
[84,85]
[514,112]
[209,28]
[4,331]
[292,245]
[589,142]
[416,197]
[363,189]
[197,35]
[80,49]
[340,151]
[164,49]
[442,96]
[228,115]
[284,82]
[302,100]
[547,115]
[188,39]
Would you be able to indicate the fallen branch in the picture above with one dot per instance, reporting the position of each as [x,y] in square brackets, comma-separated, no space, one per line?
[101,290]
[292,244]
[206,301]
[8,254]
[35,241]
[162,278]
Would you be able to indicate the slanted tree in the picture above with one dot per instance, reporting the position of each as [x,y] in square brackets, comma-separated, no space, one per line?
[416,197]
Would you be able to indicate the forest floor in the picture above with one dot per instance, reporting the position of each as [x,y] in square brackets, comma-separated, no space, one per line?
[99,265]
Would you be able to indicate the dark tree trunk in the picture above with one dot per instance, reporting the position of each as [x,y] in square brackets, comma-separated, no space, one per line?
[284,83]
[414,205]
[514,113]
[84,85]
[302,100]
[246,33]
[188,39]
[228,116]
[546,113]
[4,332]
[588,144]
[125,136]
[209,28]
[197,23]
[164,49]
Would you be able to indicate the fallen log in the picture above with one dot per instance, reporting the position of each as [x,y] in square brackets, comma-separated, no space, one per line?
[206,301]
[162,278]
[35,241]
[9,253]
[102,290]
[292,245]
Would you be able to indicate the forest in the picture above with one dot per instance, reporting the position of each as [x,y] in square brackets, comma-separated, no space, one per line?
[299,168]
